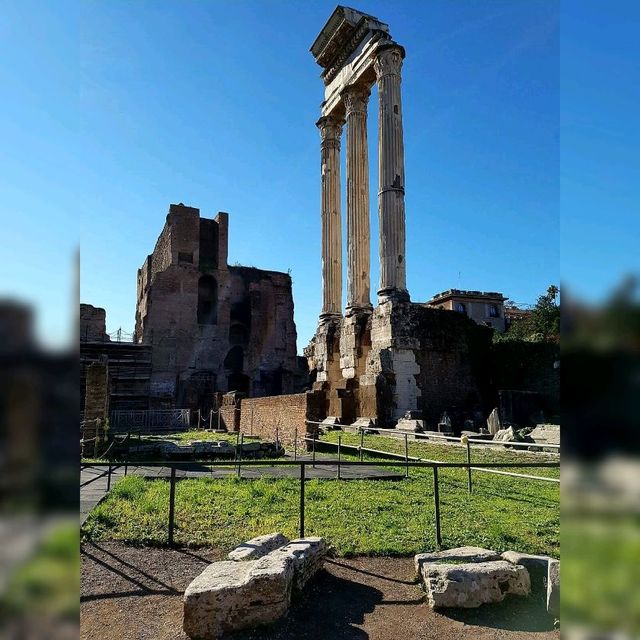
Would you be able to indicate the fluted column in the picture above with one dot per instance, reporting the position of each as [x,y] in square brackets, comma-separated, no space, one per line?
[358,234]
[330,130]
[393,279]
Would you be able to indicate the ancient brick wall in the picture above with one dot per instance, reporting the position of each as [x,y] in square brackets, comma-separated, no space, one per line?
[97,392]
[93,324]
[528,366]
[285,415]
[238,336]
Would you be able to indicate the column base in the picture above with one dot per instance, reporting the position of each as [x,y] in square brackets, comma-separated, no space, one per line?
[356,309]
[326,318]
[392,294]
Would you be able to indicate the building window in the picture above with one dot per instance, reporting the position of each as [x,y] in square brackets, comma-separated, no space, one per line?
[460,307]
[207,300]
[494,312]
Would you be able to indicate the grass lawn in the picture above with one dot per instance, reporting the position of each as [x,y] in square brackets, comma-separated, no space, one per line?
[358,517]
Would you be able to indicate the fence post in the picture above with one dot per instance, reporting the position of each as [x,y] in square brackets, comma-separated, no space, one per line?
[302,500]
[436,502]
[210,419]
[339,444]
[199,419]
[361,443]
[172,501]
[469,467]
[240,454]
[109,478]
[406,454]
[295,444]
[313,449]
[219,412]
[126,459]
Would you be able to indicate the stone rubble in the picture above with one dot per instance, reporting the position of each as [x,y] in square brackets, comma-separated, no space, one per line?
[244,593]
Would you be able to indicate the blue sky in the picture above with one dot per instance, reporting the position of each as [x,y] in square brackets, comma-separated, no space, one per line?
[117,109]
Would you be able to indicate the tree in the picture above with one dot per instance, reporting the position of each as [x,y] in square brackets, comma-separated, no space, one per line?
[543,325]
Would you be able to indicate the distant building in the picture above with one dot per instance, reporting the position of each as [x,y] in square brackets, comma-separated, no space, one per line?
[483,307]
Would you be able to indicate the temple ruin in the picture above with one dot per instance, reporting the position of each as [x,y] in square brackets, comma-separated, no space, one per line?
[212,327]
[377,363]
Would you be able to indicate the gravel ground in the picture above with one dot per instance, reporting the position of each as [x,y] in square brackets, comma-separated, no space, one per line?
[132,593]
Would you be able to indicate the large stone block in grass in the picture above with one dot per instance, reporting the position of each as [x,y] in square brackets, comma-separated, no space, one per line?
[455,582]
[457,555]
[553,588]
[258,547]
[230,596]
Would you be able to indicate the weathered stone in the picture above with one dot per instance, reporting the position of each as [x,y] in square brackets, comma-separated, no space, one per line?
[229,596]
[406,424]
[553,588]
[493,422]
[459,554]
[505,435]
[473,584]
[308,556]
[258,547]
[546,433]
[537,566]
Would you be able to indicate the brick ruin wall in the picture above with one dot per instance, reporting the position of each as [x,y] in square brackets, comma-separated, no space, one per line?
[284,416]
[93,324]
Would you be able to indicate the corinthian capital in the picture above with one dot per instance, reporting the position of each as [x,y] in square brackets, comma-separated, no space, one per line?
[330,128]
[388,61]
[355,99]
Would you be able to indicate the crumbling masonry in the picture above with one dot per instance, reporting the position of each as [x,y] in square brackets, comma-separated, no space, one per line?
[212,327]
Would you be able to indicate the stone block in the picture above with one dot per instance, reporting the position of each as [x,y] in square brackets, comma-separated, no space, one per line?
[459,554]
[230,596]
[308,556]
[546,433]
[537,566]
[258,547]
[473,584]
[364,423]
[553,588]
[406,424]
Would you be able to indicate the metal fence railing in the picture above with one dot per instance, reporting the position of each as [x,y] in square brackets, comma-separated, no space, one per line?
[304,464]
[148,421]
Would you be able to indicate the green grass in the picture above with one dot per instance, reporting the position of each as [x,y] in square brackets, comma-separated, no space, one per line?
[450,452]
[188,436]
[358,517]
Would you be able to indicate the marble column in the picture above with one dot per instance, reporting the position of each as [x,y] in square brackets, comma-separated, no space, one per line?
[393,279]
[355,100]
[330,131]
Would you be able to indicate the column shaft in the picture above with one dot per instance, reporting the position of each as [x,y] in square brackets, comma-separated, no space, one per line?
[330,130]
[358,225]
[391,211]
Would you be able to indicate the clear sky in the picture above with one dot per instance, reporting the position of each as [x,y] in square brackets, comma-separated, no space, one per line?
[116,109]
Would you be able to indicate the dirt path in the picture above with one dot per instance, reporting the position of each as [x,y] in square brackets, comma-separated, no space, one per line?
[133,593]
